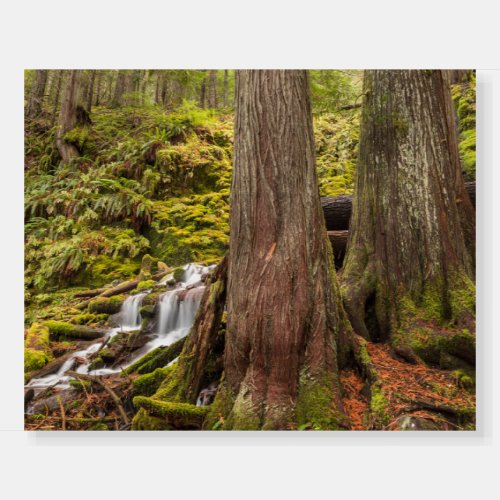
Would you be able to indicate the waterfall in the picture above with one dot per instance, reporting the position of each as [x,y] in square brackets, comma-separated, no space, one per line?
[177,312]
[130,317]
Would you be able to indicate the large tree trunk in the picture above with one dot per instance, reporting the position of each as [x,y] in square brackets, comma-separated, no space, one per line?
[68,117]
[285,318]
[411,245]
[37,93]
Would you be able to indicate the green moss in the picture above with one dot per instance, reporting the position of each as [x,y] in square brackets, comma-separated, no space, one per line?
[143,421]
[145,285]
[220,409]
[61,330]
[465,380]
[315,402]
[147,311]
[34,360]
[177,414]
[106,305]
[146,263]
[148,384]
[433,347]
[179,274]
[378,407]
[157,358]
[37,351]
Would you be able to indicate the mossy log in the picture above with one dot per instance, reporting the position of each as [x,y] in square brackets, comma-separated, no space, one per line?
[121,288]
[157,358]
[337,209]
[180,415]
[61,330]
[107,305]
[338,239]
[89,293]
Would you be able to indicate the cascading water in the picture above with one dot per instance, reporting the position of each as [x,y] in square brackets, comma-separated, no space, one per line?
[177,310]
[130,316]
[130,319]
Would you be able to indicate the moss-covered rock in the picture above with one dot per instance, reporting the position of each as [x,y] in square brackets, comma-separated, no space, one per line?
[106,305]
[145,285]
[37,351]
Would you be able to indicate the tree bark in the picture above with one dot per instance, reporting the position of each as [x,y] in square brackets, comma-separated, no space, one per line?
[412,226]
[212,88]
[90,94]
[68,117]
[203,92]
[37,94]
[285,318]
[97,97]
[57,95]
[226,85]
[119,89]
[337,209]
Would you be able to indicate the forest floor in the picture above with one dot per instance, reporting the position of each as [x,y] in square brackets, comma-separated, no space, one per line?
[414,396]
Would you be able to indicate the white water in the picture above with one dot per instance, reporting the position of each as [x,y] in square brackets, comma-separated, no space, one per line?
[130,319]
[175,319]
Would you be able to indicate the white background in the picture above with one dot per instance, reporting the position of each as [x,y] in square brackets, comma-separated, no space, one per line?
[230,34]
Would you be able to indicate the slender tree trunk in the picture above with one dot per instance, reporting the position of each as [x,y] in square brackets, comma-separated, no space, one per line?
[90,94]
[37,94]
[411,217]
[158,88]
[57,95]
[203,92]
[121,82]
[68,117]
[97,96]
[225,88]
[283,351]
[212,88]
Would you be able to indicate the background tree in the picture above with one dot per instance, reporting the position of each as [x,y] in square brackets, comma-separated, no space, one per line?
[212,88]
[37,93]
[68,117]
[411,245]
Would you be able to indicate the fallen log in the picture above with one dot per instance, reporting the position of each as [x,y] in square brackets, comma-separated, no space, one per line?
[338,239]
[90,293]
[121,288]
[337,209]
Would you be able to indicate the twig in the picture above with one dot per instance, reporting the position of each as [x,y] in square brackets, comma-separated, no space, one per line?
[63,413]
[110,391]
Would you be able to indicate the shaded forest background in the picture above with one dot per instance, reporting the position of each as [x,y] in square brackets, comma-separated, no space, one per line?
[152,171]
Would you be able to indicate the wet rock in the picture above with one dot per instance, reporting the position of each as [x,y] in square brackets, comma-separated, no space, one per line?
[44,404]
[207,395]
[412,423]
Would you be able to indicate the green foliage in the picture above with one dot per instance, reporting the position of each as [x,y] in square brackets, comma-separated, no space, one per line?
[464,96]
[336,137]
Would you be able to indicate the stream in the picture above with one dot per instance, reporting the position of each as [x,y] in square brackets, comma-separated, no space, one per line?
[176,312]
